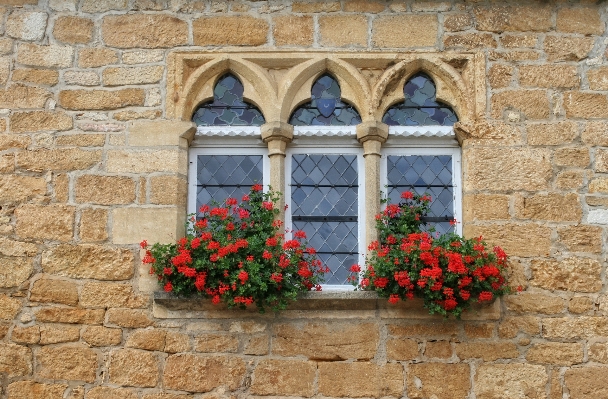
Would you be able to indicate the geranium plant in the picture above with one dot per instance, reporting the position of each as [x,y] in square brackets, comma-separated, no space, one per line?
[235,253]
[448,272]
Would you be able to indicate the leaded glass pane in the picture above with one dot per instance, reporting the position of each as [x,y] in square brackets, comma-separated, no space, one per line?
[224,176]
[420,106]
[228,107]
[430,174]
[325,107]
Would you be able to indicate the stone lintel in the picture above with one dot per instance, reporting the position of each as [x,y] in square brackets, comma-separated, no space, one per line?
[372,130]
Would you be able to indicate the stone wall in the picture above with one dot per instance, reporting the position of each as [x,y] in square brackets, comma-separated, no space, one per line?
[91,162]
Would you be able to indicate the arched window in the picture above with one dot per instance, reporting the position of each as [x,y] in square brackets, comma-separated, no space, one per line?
[225,167]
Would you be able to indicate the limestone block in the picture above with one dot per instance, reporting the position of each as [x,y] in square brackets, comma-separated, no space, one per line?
[598,78]
[14,141]
[130,115]
[119,161]
[89,261]
[526,240]
[15,360]
[519,40]
[284,377]
[257,345]
[168,190]
[158,133]
[456,22]
[586,382]
[125,31]
[26,335]
[73,30]
[96,56]
[132,225]
[517,381]
[129,318]
[21,96]
[206,372]
[26,25]
[575,327]
[9,307]
[81,78]
[110,295]
[343,30]
[528,302]
[485,207]
[581,238]
[234,30]
[401,349]
[556,353]
[598,352]
[405,31]
[148,339]
[599,185]
[82,140]
[513,18]
[34,390]
[601,160]
[67,362]
[500,75]
[36,121]
[511,326]
[132,75]
[438,349]
[70,315]
[598,216]
[593,200]
[46,77]
[105,190]
[17,188]
[488,351]
[549,76]
[469,40]
[581,304]
[111,393]
[293,30]
[552,207]
[63,5]
[58,334]
[561,48]
[570,274]
[332,341]
[441,329]
[176,342]
[360,379]
[533,103]
[584,20]
[52,56]
[362,6]
[130,367]
[308,7]
[93,225]
[214,343]
[55,291]
[485,330]
[552,133]
[100,99]
[102,336]
[52,222]
[142,56]
[438,380]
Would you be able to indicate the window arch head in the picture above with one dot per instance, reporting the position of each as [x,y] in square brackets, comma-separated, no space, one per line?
[420,106]
[325,107]
[228,107]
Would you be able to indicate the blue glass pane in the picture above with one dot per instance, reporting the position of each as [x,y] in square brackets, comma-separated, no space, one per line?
[420,106]
[325,107]
[228,107]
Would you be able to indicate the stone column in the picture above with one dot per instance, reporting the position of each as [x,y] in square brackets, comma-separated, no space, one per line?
[372,135]
[277,135]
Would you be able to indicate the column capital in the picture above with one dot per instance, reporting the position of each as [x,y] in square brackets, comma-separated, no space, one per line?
[372,130]
[277,130]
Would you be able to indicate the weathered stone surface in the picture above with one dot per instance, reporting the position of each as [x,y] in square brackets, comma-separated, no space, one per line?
[284,377]
[14,271]
[343,30]
[73,30]
[26,335]
[580,304]
[33,390]
[132,115]
[96,56]
[14,141]
[569,179]
[513,18]
[440,380]
[53,222]
[570,274]
[598,352]
[258,345]
[132,75]
[326,341]
[501,169]
[124,31]
[601,160]
[307,7]
[488,351]
[556,353]
[102,336]
[81,78]
[168,190]
[64,159]
[438,349]
[67,362]
[534,104]
[111,393]
[552,207]
[575,327]
[485,207]
[511,326]
[401,349]
[599,185]
[534,303]
[292,30]
[585,20]
[549,76]
[519,40]
[57,334]
[70,315]
[132,225]
[110,295]
[457,22]
[89,261]
[22,96]
[514,55]
[205,373]
[130,367]
[598,78]
[148,339]
[9,307]
[93,225]
[469,40]
[500,75]
[17,188]
[52,56]
[363,6]
[158,133]
[129,318]
[36,76]
[360,379]
[34,121]
[426,330]
[105,190]
[214,343]
[54,290]
[28,25]
[15,360]
[525,240]
[100,99]
[520,381]
[484,330]
[586,383]
[594,200]
[581,238]
[572,156]
[82,140]
[561,48]
[234,30]
[142,56]
[404,31]
[552,133]
[146,161]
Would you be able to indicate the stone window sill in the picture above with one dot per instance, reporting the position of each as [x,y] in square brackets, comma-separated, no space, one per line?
[336,304]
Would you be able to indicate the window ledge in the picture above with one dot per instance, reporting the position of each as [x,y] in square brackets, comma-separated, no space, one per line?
[316,304]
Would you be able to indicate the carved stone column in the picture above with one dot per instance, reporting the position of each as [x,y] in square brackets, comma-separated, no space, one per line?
[372,135]
[277,135]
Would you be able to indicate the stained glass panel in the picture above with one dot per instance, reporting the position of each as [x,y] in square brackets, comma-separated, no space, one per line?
[228,107]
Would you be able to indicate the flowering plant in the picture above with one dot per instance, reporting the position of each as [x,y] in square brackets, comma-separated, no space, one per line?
[448,272]
[235,254]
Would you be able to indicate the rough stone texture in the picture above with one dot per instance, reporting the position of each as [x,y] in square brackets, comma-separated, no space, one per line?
[534,303]
[13,141]
[440,380]
[307,7]
[132,75]
[257,345]
[241,30]
[570,274]
[599,185]
[284,377]
[176,342]
[105,190]
[469,41]
[516,239]
[26,335]
[343,30]
[560,48]
[100,99]
[585,105]
[102,336]
[110,295]
[550,207]
[28,26]
[70,315]
[427,330]
[601,160]
[521,381]
[57,334]
[67,362]
[216,343]
[401,349]
[129,318]
[598,352]
[405,31]
[457,22]
[168,190]
[557,353]
[572,156]
[142,56]
[581,238]
[326,341]
[570,179]
[89,261]
[551,133]
[111,393]
[510,18]
[581,304]
[534,104]
[53,56]
[488,351]
[14,271]
[549,76]
[95,57]
[519,40]
[132,225]
[360,379]
[57,160]
[93,225]
[15,360]
[148,339]
[130,367]
[598,78]
[34,121]
[124,31]
[145,161]
[500,75]
[575,327]
[9,307]
[83,140]
[55,291]
[33,390]
[22,96]
[485,330]
[204,373]
[73,30]
[291,30]
[81,78]
[36,76]
[438,349]
[586,383]
[485,207]
[585,20]
[53,222]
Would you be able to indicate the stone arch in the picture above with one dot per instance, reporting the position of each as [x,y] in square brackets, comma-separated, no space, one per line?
[451,88]
[259,89]
[296,86]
